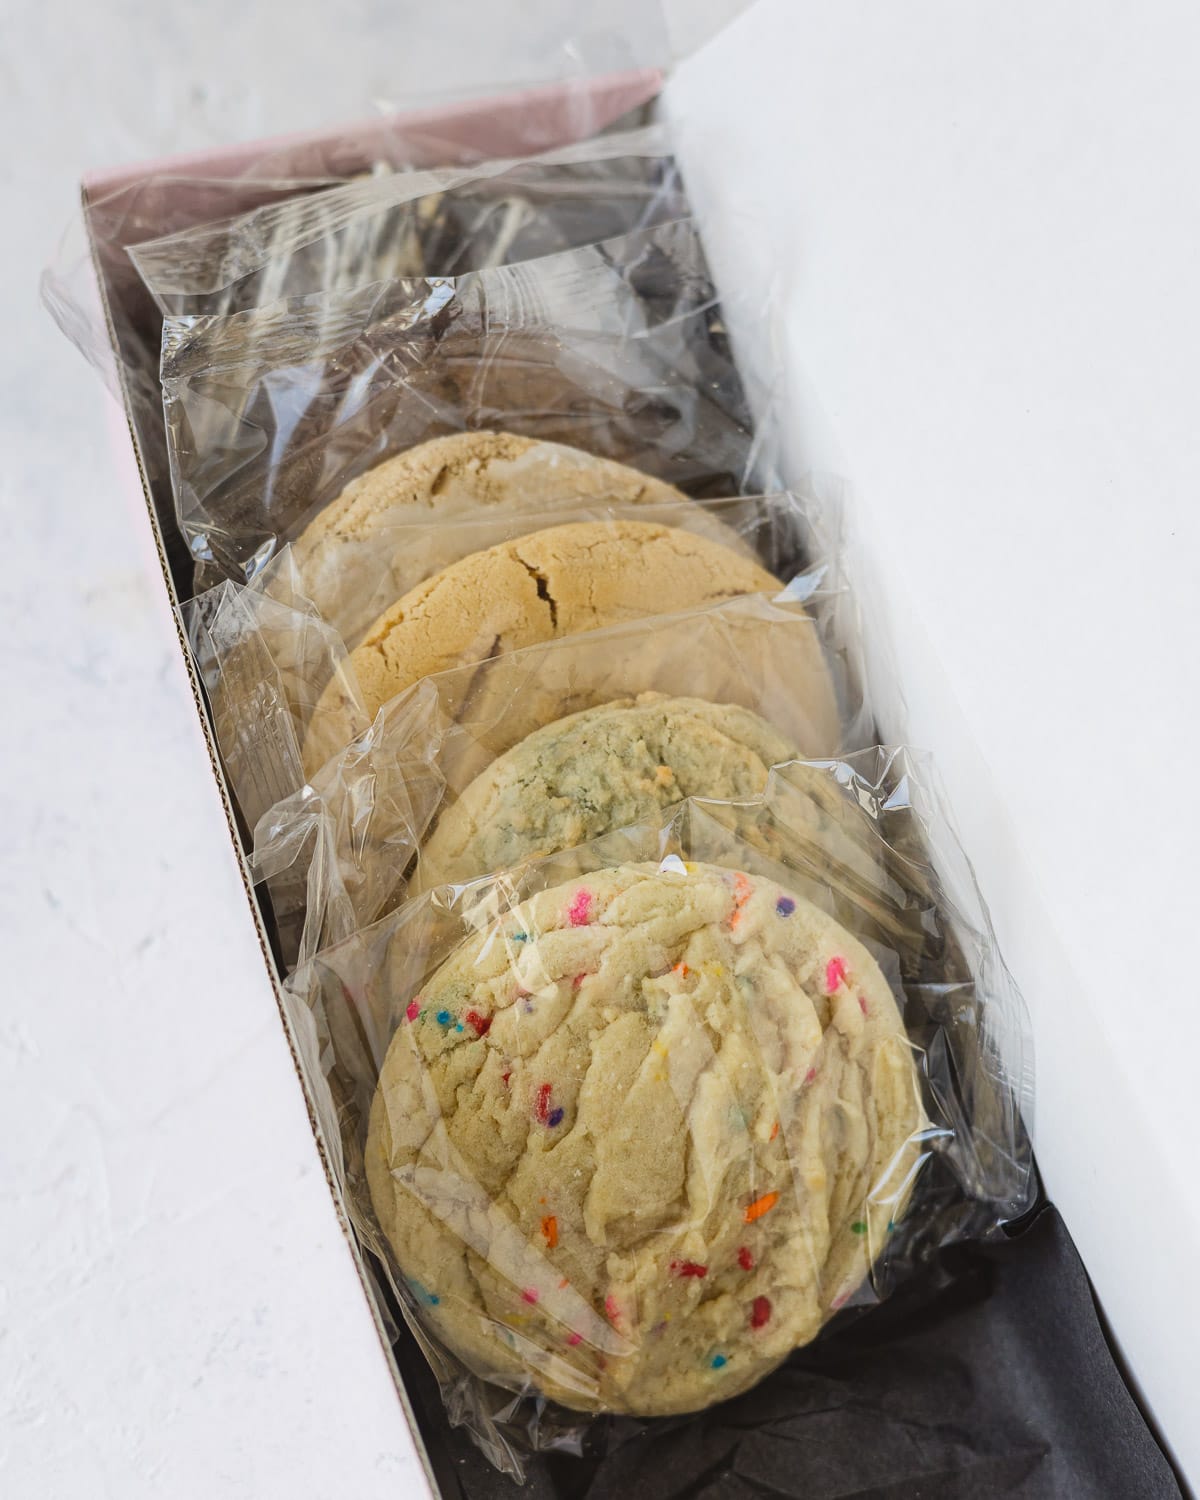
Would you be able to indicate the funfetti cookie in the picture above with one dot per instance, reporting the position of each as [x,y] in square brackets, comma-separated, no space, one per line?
[607,767]
[637,1139]
[549,583]
[353,559]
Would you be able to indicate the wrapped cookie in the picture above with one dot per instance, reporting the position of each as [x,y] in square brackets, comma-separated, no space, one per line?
[629,1124]
[433,221]
[616,349]
[754,680]
[546,584]
[278,674]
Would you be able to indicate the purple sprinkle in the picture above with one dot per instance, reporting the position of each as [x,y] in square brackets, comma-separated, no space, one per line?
[555,1118]
[785,906]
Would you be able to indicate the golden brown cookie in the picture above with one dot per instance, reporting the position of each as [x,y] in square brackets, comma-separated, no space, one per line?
[559,581]
[354,559]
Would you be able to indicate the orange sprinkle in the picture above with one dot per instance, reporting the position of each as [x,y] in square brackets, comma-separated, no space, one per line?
[760,1206]
[550,1230]
[775,1130]
[742,891]
[681,969]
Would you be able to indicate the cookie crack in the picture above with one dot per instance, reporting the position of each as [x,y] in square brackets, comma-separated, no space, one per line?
[543,589]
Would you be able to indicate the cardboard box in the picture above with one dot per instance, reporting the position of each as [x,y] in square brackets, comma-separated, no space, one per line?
[726,172]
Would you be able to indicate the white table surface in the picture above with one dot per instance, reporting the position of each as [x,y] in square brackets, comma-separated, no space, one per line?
[179,1315]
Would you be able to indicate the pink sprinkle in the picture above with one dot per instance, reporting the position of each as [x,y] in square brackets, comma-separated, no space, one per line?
[745,1259]
[542,1107]
[810,1075]
[412,1010]
[835,974]
[688,1268]
[578,980]
[862,1004]
[612,1307]
[840,1300]
[577,912]
[574,1338]
[530,1294]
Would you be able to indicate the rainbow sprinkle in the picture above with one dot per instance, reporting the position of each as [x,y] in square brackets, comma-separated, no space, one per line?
[443,1018]
[480,1024]
[835,974]
[719,1361]
[760,1312]
[742,891]
[556,1118]
[578,913]
[413,1009]
[574,1338]
[688,1268]
[859,1227]
[530,1295]
[785,906]
[745,1259]
[760,1206]
[550,1230]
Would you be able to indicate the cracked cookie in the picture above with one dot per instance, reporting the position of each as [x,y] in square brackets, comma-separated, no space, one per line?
[604,768]
[559,581]
[352,570]
[639,1137]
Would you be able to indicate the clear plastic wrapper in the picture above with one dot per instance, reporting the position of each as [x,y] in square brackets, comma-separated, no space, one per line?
[440,221]
[615,348]
[120,331]
[655,1109]
[761,680]
[287,697]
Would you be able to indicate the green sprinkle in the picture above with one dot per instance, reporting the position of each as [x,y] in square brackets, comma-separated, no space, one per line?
[859,1228]
[719,1361]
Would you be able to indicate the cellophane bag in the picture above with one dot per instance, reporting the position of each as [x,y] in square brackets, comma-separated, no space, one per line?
[617,349]
[435,221]
[684,702]
[626,1125]
[284,690]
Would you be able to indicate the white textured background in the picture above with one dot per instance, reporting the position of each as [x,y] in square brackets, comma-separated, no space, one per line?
[178,1314]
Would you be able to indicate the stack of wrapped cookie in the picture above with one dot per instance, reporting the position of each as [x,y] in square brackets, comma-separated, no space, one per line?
[651,1012]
